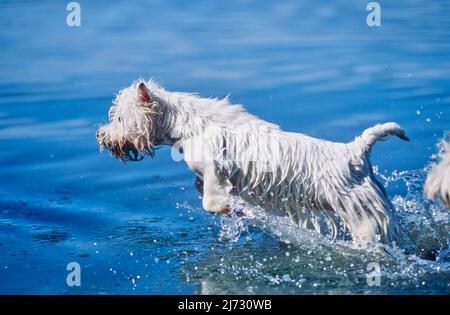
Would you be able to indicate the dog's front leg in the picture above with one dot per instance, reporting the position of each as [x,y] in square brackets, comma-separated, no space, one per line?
[215,191]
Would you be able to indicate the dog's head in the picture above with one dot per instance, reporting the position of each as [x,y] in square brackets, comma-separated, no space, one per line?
[132,128]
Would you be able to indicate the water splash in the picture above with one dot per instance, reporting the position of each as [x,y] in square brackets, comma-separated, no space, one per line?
[284,258]
[424,224]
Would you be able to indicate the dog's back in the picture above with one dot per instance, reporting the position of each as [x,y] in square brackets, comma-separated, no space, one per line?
[301,175]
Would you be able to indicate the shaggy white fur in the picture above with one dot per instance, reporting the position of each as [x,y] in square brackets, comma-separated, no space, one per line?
[438,180]
[235,153]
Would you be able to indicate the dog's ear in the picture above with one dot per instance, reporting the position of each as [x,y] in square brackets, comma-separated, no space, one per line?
[144,97]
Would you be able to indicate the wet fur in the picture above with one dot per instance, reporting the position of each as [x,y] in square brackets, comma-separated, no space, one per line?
[437,184]
[243,155]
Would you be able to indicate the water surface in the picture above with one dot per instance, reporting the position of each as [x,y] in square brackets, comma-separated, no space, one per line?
[311,66]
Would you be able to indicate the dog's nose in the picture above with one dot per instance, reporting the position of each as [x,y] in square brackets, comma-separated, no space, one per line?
[98,135]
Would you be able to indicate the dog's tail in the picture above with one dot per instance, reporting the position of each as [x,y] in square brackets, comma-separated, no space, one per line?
[380,132]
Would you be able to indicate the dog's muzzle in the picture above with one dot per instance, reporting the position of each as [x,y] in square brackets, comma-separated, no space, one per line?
[124,149]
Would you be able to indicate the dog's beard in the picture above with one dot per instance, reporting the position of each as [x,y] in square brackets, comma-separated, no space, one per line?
[127,145]
[126,150]
[132,131]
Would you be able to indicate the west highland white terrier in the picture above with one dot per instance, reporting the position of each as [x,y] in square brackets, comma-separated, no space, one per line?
[235,153]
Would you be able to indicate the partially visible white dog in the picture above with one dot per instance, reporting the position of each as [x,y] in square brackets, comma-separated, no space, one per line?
[235,153]
[438,180]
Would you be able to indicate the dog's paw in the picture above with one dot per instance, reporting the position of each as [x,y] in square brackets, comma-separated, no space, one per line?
[216,205]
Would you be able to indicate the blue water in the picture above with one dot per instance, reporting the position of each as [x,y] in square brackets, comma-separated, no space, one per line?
[310,66]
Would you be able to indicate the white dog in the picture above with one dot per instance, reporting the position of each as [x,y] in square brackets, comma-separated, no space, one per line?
[438,180]
[235,153]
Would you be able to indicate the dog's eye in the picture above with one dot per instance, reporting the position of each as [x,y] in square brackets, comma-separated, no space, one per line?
[119,119]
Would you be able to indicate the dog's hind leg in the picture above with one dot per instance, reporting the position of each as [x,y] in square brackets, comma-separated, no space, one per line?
[366,215]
